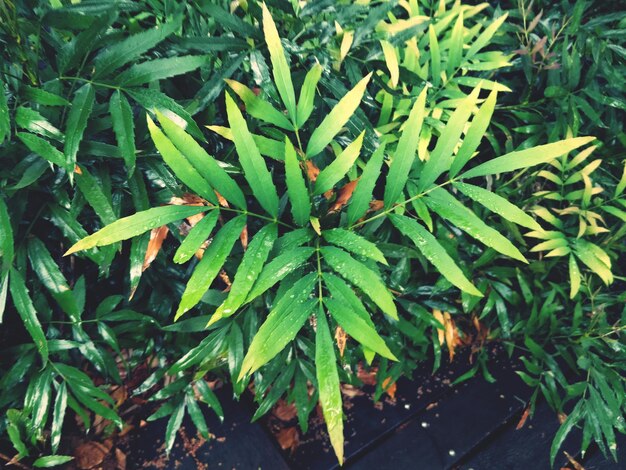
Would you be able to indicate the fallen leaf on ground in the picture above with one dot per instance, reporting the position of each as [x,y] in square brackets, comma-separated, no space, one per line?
[89,454]
[344,195]
[523,419]
[312,171]
[285,411]
[288,438]
[390,388]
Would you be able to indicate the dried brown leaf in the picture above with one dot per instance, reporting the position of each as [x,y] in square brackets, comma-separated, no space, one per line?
[342,338]
[157,236]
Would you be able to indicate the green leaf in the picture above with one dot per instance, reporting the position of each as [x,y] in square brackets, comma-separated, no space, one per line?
[247,272]
[362,196]
[158,69]
[499,205]
[281,326]
[336,119]
[334,172]
[435,56]
[354,243]
[209,397]
[448,207]
[52,461]
[179,164]
[129,49]
[58,416]
[307,95]
[92,190]
[357,328]
[483,39]
[595,259]
[173,425]
[278,268]
[328,384]
[51,277]
[362,277]
[123,126]
[44,97]
[428,245]
[27,312]
[405,152]
[204,163]
[33,121]
[5,120]
[456,46]
[280,67]
[527,158]
[259,108]
[268,147]
[152,100]
[474,134]
[196,415]
[564,430]
[440,158]
[6,239]
[136,224]
[210,264]
[391,59]
[296,187]
[574,277]
[254,168]
[77,122]
[196,237]
[43,148]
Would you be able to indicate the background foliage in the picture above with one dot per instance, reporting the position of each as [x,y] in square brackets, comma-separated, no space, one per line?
[384,105]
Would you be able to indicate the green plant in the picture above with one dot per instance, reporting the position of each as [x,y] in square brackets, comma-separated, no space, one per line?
[316,243]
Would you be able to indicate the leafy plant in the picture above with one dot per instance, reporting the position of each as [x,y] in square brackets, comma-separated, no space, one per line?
[327,243]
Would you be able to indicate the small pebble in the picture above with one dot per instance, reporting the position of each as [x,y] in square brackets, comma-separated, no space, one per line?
[425,424]
[452,453]
[407,407]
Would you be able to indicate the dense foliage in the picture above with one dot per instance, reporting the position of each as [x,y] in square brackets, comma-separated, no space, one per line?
[292,172]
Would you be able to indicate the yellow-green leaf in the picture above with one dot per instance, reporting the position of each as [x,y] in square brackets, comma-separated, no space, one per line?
[296,187]
[333,173]
[336,119]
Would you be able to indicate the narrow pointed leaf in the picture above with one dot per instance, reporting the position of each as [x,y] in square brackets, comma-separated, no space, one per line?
[179,164]
[328,384]
[281,326]
[7,247]
[405,152]
[447,206]
[362,195]
[362,277]
[333,173]
[58,416]
[43,148]
[196,237]
[435,56]
[336,119]
[456,46]
[357,328]
[133,225]
[499,205]
[259,108]
[280,67]
[26,310]
[391,59]
[210,264]
[428,245]
[278,268]
[483,39]
[254,168]
[441,158]
[124,128]
[5,120]
[475,133]
[354,243]
[307,94]
[247,272]
[129,49]
[77,122]
[527,158]
[51,277]
[159,69]
[204,163]
[267,147]
[296,187]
